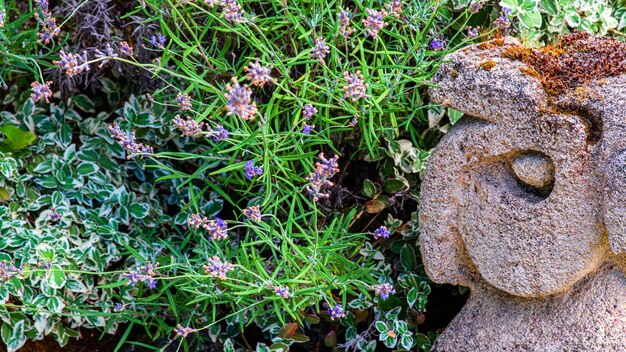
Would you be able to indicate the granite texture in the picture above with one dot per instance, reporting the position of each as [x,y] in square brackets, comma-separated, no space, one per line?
[524,202]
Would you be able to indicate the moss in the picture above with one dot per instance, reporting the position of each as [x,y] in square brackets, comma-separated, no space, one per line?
[488,65]
[491,44]
[576,60]
[529,71]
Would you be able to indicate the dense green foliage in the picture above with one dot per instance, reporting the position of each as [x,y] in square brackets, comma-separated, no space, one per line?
[125,204]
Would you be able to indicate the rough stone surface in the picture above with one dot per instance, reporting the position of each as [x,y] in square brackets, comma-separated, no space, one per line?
[524,202]
[534,169]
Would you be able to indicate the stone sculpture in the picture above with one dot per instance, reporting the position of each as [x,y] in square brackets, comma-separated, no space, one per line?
[524,200]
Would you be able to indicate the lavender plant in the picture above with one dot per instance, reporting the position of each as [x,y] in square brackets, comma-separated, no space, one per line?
[220,192]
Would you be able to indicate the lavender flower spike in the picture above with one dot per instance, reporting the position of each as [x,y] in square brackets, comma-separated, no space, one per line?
[309,111]
[217,268]
[381,232]
[374,22]
[188,127]
[355,87]
[250,170]
[253,213]
[282,291]
[73,64]
[183,331]
[320,178]
[41,91]
[336,312]
[240,101]
[320,50]
[258,74]
[384,290]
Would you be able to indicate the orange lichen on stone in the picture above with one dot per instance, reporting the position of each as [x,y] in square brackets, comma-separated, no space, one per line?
[527,70]
[488,65]
[491,44]
[576,60]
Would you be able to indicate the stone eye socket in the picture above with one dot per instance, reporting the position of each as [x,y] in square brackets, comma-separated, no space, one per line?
[534,171]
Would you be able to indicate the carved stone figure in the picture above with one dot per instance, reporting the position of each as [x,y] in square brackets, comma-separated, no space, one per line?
[524,200]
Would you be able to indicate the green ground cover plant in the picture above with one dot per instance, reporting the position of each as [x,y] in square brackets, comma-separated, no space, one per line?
[240,174]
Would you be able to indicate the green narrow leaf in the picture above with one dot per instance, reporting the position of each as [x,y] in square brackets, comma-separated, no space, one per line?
[411,297]
[84,103]
[28,109]
[407,257]
[85,169]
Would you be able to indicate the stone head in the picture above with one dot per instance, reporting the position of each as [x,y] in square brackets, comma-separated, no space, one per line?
[528,192]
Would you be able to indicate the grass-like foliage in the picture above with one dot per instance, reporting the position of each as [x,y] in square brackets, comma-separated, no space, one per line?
[231,172]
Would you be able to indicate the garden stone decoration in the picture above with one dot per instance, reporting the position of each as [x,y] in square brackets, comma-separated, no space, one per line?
[524,200]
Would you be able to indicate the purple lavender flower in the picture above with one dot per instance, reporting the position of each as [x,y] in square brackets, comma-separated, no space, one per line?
[217,229]
[127,141]
[219,133]
[41,91]
[105,56]
[384,290]
[211,3]
[184,101]
[54,216]
[195,220]
[188,127]
[309,111]
[43,4]
[118,307]
[73,64]
[8,271]
[49,28]
[374,22]
[336,312]
[381,232]
[250,170]
[217,268]
[239,98]
[503,21]
[126,49]
[143,274]
[232,11]
[320,50]
[437,44]
[307,129]
[354,120]
[344,23]
[476,7]
[253,213]
[472,32]
[320,178]
[158,41]
[258,74]
[394,8]
[282,291]
[355,87]
[183,332]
